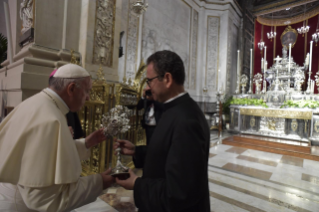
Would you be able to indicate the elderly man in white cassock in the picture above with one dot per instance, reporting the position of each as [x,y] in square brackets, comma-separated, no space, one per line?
[39,160]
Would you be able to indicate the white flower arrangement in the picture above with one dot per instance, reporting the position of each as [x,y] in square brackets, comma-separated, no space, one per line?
[116,121]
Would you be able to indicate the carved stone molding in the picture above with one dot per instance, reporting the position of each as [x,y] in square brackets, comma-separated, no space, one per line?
[104,32]
[212,52]
[193,71]
[131,44]
[277,113]
[229,59]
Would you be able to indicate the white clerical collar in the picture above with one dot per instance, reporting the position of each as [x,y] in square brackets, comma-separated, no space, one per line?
[175,97]
[56,95]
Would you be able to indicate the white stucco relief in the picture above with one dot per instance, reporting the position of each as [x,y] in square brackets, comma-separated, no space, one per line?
[212,52]
[26,15]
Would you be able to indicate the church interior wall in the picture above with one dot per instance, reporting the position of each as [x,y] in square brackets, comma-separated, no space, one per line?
[177,25]
[3,29]
[88,44]
[157,34]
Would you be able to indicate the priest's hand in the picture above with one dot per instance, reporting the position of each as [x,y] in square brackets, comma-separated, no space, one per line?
[128,184]
[127,148]
[94,138]
[108,180]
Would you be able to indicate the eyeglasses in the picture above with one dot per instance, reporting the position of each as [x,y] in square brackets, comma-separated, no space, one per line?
[148,81]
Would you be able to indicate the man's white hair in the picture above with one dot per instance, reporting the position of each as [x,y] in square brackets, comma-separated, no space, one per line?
[59,84]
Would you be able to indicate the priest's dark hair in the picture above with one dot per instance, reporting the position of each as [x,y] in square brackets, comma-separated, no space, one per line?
[168,62]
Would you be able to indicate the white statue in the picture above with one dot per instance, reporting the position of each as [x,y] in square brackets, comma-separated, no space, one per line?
[299,79]
[26,15]
[258,78]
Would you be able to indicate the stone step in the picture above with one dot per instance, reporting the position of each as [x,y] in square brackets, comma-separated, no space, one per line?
[266,148]
[275,143]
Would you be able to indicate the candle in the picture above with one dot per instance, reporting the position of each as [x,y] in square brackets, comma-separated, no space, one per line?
[266,64]
[251,62]
[238,63]
[313,86]
[218,80]
[262,63]
[289,58]
[307,59]
[310,56]
[265,55]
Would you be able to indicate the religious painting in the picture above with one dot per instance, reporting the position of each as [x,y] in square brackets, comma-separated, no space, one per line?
[290,35]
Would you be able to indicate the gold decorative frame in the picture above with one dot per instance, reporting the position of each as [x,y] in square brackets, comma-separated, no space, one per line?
[289,29]
[290,114]
[294,125]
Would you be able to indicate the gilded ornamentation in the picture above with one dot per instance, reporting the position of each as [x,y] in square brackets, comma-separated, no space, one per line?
[290,114]
[100,74]
[290,35]
[316,126]
[26,15]
[96,95]
[294,125]
[104,32]
[193,71]
[271,124]
[73,58]
[212,52]
[252,121]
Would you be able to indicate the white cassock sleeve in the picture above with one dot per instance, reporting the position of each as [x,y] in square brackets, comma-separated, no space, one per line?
[65,197]
[84,153]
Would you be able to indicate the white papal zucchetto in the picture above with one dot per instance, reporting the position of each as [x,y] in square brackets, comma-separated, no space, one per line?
[70,71]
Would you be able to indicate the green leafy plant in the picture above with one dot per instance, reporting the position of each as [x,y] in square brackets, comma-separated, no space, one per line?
[300,104]
[3,48]
[226,104]
[245,101]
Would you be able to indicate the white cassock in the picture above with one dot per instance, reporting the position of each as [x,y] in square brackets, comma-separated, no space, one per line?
[40,161]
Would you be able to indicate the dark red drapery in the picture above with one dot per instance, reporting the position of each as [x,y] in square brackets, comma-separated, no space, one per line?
[298,52]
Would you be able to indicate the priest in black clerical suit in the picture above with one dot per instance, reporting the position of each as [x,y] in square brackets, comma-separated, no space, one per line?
[175,162]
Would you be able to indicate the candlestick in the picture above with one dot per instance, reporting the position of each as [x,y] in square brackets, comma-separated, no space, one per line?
[238,74]
[218,80]
[313,87]
[289,64]
[265,55]
[266,65]
[251,72]
[310,56]
[310,61]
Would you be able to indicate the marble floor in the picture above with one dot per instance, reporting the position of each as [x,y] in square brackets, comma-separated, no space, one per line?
[242,180]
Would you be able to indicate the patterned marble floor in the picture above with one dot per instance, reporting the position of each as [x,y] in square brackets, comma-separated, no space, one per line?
[243,180]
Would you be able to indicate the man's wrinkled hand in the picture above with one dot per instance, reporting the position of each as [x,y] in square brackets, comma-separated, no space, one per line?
[95,138]
[108,180]
[127,147]
[129,182]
